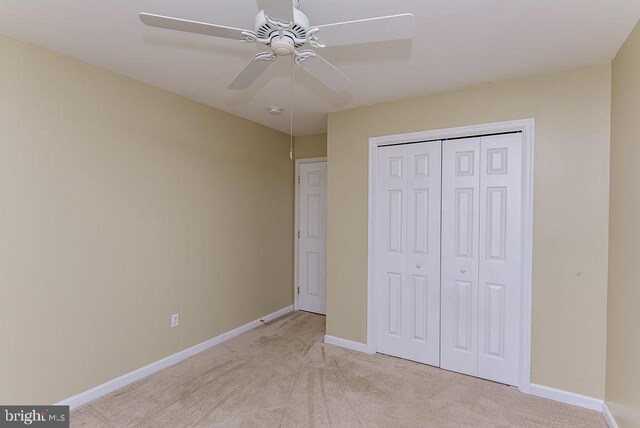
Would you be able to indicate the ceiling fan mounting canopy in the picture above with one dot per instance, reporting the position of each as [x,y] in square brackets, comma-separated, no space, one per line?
[286,30]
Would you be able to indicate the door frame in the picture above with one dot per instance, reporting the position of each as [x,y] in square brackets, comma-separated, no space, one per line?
[296,224]
[526,126]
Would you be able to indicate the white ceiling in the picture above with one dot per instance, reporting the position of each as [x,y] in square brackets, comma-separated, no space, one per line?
[456,43]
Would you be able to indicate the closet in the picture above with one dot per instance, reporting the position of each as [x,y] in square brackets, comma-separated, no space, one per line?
[448,255]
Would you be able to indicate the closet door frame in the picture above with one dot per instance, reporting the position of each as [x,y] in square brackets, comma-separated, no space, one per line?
[525,126]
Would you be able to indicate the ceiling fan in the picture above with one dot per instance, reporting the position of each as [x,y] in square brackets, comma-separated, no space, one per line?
[283,28]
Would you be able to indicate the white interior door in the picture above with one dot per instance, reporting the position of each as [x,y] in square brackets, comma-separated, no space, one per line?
[482,256]
[408,254]
[460,219]
[312,245]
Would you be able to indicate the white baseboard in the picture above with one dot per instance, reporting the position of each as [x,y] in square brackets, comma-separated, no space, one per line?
[608,416]
[126,379]
[348,344]
[566,397]
[537,390]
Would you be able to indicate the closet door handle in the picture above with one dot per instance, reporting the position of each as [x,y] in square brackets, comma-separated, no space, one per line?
[419,266]
[463,271]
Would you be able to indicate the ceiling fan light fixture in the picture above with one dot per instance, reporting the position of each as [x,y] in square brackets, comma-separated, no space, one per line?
[282,45]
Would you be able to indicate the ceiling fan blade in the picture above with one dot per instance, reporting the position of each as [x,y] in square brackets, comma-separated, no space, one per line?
[191,26]
[258,65]
[384,28]
[326,73]
[281,10]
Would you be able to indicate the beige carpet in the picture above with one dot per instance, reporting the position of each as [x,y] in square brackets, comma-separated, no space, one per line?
[282,374]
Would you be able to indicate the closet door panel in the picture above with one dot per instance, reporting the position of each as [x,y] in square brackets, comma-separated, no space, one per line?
[408,252]
[391,250]
[500,257]
[423,253]
[459,275]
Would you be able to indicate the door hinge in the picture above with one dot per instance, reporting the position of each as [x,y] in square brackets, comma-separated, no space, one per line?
[298,179]
[298,289]
[298,234]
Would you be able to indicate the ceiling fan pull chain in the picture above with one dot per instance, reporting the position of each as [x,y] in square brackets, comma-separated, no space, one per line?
[291,112]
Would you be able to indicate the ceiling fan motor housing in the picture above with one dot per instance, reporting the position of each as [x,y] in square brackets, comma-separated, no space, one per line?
[285,45]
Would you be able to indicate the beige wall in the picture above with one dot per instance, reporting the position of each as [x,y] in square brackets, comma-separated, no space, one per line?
[122,204]
[623,338]
[572,112]
[311,146]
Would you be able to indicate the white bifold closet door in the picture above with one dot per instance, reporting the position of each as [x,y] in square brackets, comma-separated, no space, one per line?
[460,219]
[408,253]
[482,256]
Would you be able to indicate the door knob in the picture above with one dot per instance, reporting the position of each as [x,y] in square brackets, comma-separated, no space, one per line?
[463,271]
[419,266]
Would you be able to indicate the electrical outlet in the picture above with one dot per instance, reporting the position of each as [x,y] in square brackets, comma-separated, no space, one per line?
[175,320]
